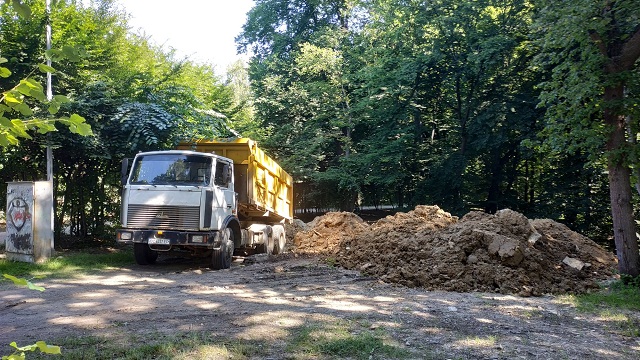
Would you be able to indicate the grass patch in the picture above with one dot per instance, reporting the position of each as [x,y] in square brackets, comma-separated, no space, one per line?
[331,261]
[616,296]
[480,342]
[613,304]
[340,341]
[68,264]
[159,347]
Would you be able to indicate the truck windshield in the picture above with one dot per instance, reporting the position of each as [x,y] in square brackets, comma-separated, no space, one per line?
[172,169]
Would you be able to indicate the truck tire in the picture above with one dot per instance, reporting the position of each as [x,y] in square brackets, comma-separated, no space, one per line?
[268,238]
[267,241]
[279,239]
[221,258]
[144,255]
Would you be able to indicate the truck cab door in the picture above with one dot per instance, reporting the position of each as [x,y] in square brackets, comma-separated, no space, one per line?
[224,199]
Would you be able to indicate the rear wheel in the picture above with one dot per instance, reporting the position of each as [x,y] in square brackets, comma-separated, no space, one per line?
[221,258]
[267,245]
[144,255]
[279,239]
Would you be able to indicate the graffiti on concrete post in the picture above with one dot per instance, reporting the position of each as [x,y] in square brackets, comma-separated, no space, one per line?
[29,221]
[18,214]
[20,219]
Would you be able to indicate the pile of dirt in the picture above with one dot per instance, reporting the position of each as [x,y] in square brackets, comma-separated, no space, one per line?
[427,247]
[326,233]
[291,229]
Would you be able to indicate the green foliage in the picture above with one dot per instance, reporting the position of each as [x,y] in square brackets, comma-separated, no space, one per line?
[16,101]
[145,123]
[387,95]
[133,94]
[630,280]
[573,93]
[244,121]
[20,352]
[16,104]
[23,282]
[591,51]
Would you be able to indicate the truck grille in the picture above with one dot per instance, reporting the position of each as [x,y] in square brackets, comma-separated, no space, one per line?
[163,217]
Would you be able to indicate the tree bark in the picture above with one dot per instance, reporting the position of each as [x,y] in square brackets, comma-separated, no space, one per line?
[620,190]
[622,56]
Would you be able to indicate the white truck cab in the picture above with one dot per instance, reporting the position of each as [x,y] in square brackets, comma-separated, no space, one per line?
[179,198]
[225,197]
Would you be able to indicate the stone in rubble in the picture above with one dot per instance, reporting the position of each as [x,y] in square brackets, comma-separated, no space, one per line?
[574,263]
[507,249]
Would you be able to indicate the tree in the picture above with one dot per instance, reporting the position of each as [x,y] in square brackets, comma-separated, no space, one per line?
[22,101]
[448,97]
[135,95]
[407,100]
[244,123]
[591,49]
[300,78]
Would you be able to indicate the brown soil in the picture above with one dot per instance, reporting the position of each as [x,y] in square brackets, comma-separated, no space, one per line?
[427,247]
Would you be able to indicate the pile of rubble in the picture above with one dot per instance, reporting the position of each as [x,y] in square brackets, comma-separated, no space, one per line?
[427,247]
[326,233]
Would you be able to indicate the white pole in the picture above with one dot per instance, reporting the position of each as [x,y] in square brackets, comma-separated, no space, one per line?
[49,98]
[49,89]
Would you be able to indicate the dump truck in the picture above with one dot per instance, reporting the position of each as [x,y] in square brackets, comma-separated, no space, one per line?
[210,199]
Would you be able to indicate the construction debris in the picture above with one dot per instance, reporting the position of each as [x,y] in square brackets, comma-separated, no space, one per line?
[427,247]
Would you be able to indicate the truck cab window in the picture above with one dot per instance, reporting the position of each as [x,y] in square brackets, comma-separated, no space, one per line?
[172,169]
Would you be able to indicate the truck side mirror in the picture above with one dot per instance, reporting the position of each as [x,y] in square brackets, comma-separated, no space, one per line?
[124,171]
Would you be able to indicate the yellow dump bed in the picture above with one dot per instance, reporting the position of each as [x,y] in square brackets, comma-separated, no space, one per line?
[264,189]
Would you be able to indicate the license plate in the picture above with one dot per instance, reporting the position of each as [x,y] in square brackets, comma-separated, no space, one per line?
[159,241]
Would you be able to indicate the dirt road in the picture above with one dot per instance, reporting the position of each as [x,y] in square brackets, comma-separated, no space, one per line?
[272,300]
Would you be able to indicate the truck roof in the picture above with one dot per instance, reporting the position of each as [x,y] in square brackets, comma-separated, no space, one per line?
[188,152]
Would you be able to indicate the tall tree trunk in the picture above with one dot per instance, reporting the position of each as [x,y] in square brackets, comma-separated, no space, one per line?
[622,52]
[620,190]
[491,205]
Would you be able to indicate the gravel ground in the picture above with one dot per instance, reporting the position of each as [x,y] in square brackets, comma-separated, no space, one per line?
[273,299]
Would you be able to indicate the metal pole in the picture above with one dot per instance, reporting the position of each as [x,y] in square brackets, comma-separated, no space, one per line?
[49,98]
[49,89]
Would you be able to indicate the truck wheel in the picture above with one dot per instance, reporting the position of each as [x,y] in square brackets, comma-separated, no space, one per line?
[221,258]
[279,239]
[267,242]
[144,255]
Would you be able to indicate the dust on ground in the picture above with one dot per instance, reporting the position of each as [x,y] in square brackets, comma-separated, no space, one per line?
[427,247]
[395,281]
[271,303]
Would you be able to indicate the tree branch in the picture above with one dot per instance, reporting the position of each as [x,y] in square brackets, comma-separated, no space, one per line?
[597,40]
[630,51]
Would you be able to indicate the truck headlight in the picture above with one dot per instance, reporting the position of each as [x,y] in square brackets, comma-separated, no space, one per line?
[125,236]
[197,238]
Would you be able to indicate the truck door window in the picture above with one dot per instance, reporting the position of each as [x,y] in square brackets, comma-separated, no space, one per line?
[222,174]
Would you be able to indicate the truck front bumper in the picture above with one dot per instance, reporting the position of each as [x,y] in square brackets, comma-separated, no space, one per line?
[209,240]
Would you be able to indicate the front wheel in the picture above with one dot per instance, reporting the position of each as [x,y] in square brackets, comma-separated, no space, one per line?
[144,255]
[221,258]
